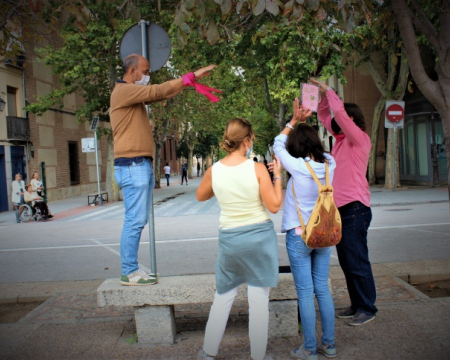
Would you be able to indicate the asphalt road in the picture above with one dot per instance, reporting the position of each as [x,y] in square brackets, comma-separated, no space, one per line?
[86,246]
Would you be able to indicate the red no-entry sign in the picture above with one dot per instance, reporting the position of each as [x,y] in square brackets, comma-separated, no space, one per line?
[395,114]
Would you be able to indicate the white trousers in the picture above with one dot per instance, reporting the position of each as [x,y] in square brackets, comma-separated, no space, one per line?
[258,301]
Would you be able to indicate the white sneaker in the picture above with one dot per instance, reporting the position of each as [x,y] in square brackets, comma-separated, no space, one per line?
[147,271]
[201,355]
[138,278]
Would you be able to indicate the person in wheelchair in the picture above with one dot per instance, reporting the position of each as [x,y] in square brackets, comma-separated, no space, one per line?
[37,202]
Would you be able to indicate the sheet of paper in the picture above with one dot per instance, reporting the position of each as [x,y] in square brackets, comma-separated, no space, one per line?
[310,96]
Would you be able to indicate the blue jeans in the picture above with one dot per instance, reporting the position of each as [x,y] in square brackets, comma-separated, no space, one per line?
[167,178]
[310,271]
[137,182]
[353,256]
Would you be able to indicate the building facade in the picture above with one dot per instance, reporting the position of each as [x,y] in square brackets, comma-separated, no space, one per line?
[49,144]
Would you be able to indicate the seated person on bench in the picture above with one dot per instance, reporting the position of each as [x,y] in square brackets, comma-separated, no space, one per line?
[37,202]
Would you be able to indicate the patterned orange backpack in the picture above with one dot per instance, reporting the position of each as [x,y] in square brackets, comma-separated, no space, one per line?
[324,227]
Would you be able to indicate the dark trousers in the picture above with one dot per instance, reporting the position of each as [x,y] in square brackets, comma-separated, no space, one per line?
[184,176]
[353,256]
[167,178]
[42,206]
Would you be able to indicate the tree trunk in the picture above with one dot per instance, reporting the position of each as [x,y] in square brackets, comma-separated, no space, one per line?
[190,147]
[111,186]
[157,165]
[281,116]
[374,139]
[390,158]
[445,118]
[436,92]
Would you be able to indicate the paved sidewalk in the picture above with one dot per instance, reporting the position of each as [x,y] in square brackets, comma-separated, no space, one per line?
[69,324]
[78,205]
[379,197]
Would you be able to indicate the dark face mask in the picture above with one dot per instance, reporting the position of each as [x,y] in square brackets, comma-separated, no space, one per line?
[335,127]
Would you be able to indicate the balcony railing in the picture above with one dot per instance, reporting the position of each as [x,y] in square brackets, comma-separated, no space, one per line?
[18,128]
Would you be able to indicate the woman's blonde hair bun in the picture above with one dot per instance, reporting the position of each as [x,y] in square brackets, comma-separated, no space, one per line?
[236,131]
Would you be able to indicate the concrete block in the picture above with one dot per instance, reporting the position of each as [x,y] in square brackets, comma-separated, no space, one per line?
[46,137]
[91,159]
[283,318]
[70,102]
[42,72]
[155,324]
[42,89]
[49,156]
[70,121]
[179,290]
[47,118]
[32,298]
[50,172]
[9,299]
[93,173]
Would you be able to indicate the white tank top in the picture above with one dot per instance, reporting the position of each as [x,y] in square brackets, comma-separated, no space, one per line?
[237,190]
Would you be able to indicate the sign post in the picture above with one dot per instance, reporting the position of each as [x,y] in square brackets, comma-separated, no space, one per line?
[151,216]
[395,115]
[94,128]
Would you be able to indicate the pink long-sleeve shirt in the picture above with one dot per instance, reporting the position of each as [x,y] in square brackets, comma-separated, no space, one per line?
[351,152]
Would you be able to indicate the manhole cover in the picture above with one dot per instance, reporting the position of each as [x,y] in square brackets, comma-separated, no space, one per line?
[398,209]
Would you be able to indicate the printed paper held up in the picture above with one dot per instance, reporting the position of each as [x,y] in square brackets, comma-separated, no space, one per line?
[310,97]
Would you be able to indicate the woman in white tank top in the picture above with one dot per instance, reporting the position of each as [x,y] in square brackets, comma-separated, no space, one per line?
[248,245]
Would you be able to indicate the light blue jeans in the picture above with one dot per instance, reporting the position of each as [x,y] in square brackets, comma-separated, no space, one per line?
[137,182]
[310,271]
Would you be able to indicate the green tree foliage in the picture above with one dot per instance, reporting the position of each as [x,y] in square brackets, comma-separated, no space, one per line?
[218,20]
[430,21]
[87,62]
[25,21]
[379,46]
[205,145]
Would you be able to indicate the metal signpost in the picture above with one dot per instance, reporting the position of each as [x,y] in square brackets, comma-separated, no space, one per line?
[395,115]
[94,128]
[153,42]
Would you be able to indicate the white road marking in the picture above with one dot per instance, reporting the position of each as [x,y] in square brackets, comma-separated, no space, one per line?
[404,226]
[95,213]
[106,246]
[430,232]
[99,244]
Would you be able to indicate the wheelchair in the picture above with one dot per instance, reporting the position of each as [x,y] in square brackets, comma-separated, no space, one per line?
[27,212]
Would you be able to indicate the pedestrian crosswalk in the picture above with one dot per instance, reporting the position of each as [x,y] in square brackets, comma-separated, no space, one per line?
[165,209]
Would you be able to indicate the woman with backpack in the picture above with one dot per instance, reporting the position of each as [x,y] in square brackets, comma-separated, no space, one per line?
[248,245]
[297,145]
[184,171]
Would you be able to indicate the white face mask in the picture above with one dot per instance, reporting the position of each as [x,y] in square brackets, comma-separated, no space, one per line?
[144,80]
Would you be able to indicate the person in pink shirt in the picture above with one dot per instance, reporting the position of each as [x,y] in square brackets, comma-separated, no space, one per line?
[352,197]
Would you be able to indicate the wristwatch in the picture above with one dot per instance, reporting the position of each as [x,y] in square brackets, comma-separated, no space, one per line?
[289,126]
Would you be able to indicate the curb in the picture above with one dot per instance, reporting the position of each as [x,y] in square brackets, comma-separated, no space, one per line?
[409,203]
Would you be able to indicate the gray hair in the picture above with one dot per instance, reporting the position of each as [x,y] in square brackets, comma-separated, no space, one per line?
[131,61]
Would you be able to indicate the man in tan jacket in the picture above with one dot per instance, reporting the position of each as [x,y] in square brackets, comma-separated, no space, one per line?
[132,151]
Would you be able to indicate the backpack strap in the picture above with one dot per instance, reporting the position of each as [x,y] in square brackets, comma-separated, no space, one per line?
[313,174]
[302,223]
